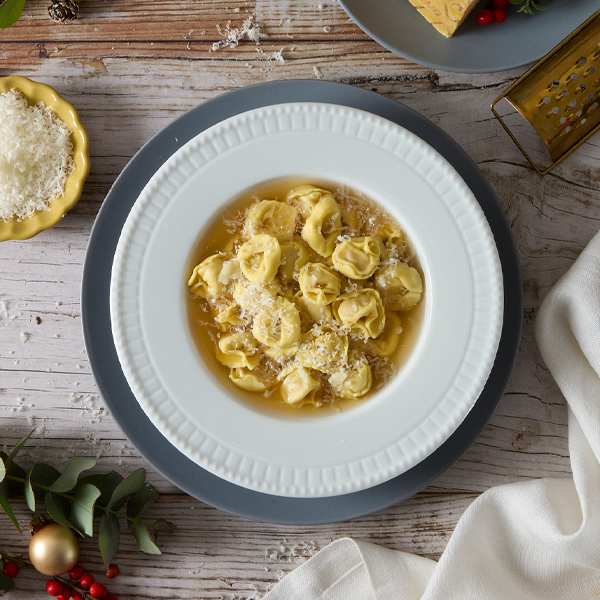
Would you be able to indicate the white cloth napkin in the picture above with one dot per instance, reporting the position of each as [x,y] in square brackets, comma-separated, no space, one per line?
[537,540]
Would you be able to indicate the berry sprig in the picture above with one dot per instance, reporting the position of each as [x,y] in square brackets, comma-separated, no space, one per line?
[83,584]
[80,586]
[10,570]
[496,13]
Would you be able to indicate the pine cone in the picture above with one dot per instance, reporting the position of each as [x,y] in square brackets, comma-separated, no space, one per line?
[63,10]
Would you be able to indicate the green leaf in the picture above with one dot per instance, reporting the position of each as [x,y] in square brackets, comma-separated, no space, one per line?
[10,488]
[108,537]
[129,486]
[28,490]
[19,445]
[59,509]
[527,6]
[106,483]
[2,470]
[6,506]
[161,525]
[10,11]
[66,482]
[6,584]
[82,512]
[140,501]
[39,476]
[13,488]
[142,537]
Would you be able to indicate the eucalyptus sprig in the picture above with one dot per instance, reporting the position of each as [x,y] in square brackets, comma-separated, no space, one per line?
[528,5]
[75,502]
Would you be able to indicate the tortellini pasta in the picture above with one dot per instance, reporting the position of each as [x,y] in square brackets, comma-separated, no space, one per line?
[305,198]
[314,312]
[391,241]
[300,302]
[390,235]
[387,341]
[204,280]
[298,386]
[323,348]
[247,380]
[355,381]
[227,313]
[236,350]
[260,258]
[323,227]
[293,257]
[271,217]
[278,324]
[319,283]
[281,355]
[400,286]
[362,311]
[357,258]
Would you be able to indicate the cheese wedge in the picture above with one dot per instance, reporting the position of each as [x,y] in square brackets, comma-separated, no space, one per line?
[445,15]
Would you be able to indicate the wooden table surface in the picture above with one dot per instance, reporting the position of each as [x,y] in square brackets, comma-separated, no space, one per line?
[130,68]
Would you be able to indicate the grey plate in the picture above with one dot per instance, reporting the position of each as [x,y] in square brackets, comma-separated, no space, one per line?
[522,39]
[113,386]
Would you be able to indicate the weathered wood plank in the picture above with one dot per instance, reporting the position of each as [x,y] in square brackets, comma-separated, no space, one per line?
[284,21]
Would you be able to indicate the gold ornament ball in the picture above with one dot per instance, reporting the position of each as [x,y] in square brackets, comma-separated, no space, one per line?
[54,550]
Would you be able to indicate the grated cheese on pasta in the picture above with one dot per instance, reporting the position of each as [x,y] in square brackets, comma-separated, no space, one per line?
[290,321]
[36,155]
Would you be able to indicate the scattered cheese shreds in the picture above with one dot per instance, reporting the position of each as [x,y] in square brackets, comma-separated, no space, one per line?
[249,30]
[36,155]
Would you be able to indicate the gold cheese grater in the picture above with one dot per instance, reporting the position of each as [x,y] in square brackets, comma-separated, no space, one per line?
[559,96]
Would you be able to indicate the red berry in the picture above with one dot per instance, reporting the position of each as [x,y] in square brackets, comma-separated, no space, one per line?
[499,15]
[86,580]
[66,594]
[111,597]
[112,571]
[501,3]
[97,590]
[485,17]
[11,569]
[77,597]
[76,572]
[54,588]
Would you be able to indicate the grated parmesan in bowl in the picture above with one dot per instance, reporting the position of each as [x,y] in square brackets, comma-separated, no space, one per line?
[44,158]
[36,155]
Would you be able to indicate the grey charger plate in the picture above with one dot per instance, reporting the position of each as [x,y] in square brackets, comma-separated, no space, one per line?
[113,386]
[522,39]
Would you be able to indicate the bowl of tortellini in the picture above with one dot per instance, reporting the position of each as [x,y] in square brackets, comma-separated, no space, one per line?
[306,300]
[314,300]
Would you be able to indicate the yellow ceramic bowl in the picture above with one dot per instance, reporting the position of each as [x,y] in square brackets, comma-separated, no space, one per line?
[43,219]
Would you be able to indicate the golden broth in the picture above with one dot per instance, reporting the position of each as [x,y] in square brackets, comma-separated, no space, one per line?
[218,234]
